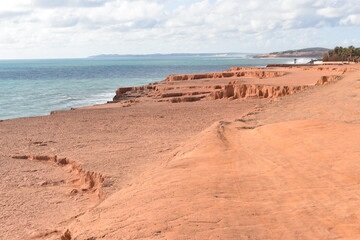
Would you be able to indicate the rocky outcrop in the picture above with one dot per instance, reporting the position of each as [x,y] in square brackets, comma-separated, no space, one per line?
[179,94]
[125,93]
[86,180]
[186,99]
[236,91]
[330,69]
[246,68]
[307,67]
[195,87]
[327,79]
[228,74]
[255,91]
[286,65]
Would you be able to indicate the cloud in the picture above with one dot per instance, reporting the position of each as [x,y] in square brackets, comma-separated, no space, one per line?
[195,24]
[13,14]
[329,12]
[353,19]
[68,3]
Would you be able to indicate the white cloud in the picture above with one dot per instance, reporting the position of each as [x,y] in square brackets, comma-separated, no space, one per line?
[353,19]
[168,25]
[329,12]
[68,3]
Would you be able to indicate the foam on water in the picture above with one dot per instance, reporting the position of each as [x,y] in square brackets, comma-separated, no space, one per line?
[36,87]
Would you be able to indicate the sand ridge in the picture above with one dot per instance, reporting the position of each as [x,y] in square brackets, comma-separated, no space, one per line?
[238,182]
[87,181]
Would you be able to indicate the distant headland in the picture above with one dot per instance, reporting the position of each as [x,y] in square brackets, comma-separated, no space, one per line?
[316,52]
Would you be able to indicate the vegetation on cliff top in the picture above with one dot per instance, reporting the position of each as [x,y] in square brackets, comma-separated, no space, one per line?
[314,49]
[315,52]
[350,53]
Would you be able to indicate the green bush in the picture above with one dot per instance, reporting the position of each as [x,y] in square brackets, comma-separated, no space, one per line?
[350,53]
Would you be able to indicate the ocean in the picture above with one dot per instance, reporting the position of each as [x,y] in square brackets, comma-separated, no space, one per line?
[37,87]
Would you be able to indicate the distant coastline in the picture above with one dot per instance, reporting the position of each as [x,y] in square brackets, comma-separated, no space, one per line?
[228,54]
[302,53]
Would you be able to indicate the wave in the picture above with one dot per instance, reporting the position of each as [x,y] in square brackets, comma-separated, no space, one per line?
[298,60]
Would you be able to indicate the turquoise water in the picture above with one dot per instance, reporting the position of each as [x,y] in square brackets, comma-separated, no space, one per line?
[36,87]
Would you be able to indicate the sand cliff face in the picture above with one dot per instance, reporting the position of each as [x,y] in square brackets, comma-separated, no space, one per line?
[234,90]
[229,74]
[255,91]
[237,83]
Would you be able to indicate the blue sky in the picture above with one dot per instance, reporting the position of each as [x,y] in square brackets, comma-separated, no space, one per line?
[80,28]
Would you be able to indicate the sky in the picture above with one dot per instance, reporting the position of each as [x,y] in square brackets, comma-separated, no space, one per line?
[81,28]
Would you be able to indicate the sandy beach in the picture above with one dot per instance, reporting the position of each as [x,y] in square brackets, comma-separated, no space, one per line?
[248,153]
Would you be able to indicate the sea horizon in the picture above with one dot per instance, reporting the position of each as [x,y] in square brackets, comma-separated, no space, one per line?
[137,55]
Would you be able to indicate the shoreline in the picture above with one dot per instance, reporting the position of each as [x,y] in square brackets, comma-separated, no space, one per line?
[37,109]
[164,143]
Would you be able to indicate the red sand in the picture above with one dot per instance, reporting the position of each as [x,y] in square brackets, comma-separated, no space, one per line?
[251,168]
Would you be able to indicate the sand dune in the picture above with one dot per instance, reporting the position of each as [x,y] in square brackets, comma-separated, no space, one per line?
[280,167]
[280,181]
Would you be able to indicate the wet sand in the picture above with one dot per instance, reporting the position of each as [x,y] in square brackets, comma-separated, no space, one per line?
[276,166]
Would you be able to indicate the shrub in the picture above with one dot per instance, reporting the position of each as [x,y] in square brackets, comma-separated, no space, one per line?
[350,53]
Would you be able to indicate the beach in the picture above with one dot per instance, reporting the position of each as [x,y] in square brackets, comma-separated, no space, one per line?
[246,153]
